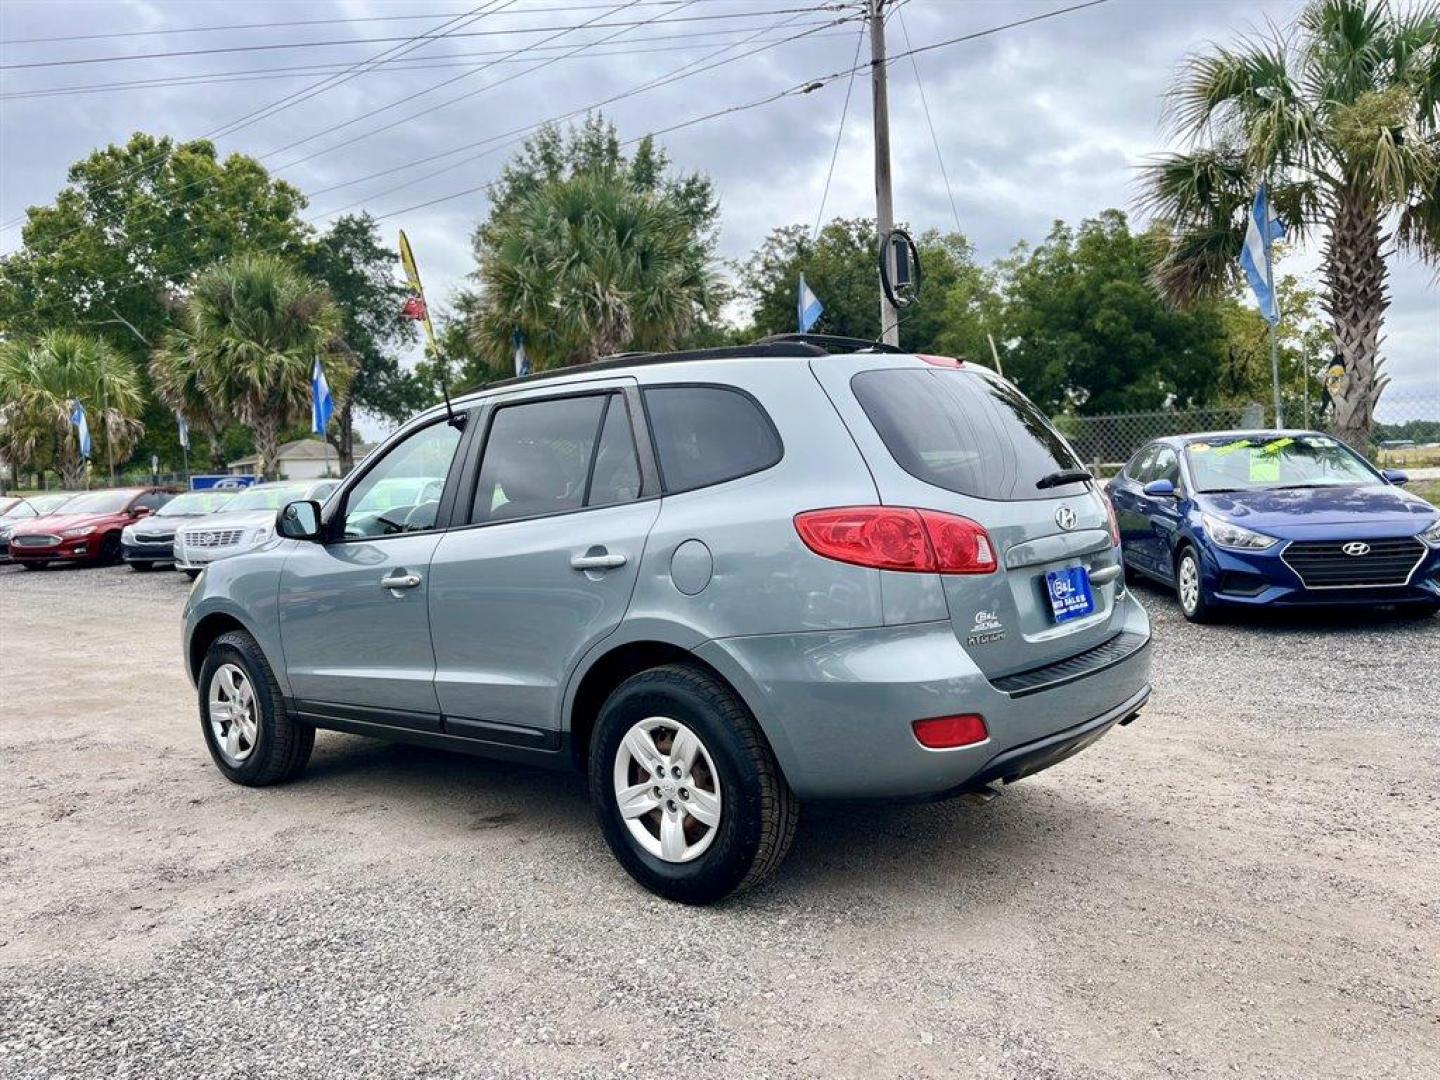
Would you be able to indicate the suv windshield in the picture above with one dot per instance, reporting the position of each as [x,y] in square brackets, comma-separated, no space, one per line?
[100,502]
[195,502]
[1251,463]
[267,496]
[965,432]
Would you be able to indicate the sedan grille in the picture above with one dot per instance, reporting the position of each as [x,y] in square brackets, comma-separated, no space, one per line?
[153,538]
[213,538]
[34,540]
[1354,564]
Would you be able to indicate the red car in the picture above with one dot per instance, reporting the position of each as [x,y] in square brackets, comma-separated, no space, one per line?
[87,528]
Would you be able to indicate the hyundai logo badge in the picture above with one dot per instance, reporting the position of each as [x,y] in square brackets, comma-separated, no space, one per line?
[1356,548]
[1065,518]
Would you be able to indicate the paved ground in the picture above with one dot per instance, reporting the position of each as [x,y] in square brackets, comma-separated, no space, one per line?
[1246,883]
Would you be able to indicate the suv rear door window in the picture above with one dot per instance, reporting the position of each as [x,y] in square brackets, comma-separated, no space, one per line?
[548,457]
[708,434]
[964,432]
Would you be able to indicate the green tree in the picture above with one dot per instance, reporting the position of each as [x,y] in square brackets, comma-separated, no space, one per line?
[587,252]
[1085,329]
[841,265]
[245,346]
[41,378]
[1303,348]
[1342,115]
[126,234]
[359,272]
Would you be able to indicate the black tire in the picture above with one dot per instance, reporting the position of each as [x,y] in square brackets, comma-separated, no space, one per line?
[1204,608]
[191,574]
[282,746]
[759,811]
[110,549]
[35,565]
[142,567]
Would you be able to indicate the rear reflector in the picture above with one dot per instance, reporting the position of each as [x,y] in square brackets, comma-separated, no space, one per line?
[948,732]
[898,538]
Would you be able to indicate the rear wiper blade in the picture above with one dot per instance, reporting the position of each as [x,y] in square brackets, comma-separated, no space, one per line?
[1063,476]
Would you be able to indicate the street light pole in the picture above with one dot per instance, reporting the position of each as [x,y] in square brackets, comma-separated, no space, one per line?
[884,202]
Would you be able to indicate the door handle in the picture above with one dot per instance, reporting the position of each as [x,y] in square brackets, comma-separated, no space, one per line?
[601,560]
[396,582]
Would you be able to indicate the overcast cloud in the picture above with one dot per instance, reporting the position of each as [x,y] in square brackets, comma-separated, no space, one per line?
[1041,122]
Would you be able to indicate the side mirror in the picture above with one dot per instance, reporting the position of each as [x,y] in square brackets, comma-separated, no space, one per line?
[140,511]
[1160,489]
[299,520]
[1398,477]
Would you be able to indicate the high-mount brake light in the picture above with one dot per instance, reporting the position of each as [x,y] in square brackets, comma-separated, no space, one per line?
[941,361]
[898,538]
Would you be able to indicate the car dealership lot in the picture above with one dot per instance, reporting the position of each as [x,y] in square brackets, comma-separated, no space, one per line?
[1243,883]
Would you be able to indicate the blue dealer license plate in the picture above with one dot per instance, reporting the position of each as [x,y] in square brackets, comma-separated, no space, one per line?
[1070,595]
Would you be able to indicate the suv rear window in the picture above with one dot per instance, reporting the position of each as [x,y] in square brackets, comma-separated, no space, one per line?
[708,434]
[964,432]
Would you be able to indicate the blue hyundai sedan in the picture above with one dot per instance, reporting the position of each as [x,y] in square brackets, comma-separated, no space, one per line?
[1267,518]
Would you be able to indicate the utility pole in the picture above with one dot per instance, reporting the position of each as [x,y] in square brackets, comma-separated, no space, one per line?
[884,205]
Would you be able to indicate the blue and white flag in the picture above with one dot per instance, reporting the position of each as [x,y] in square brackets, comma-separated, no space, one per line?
[808,306]
[184,426]
[1264,228]
[321,403]
[82,427]
[522,361]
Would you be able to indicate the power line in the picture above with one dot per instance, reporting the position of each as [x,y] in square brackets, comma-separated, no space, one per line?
[925,105]
[365,41]
[397,65]
[175,31]
[839,134]
[516,135]
[805,87]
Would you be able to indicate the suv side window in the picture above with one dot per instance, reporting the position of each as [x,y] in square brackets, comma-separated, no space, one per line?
[401,493]
[556,455]
[708,434]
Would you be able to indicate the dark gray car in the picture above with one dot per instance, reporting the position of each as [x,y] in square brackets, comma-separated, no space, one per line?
[722,583]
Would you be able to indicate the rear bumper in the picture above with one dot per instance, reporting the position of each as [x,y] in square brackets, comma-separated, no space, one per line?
[837,707]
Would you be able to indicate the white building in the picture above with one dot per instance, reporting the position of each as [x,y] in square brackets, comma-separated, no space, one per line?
[303,459]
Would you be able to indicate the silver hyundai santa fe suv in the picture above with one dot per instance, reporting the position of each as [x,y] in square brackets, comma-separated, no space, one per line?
[722,582]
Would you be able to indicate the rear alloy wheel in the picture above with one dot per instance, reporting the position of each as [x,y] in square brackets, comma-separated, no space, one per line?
[688,793]
[1190,588]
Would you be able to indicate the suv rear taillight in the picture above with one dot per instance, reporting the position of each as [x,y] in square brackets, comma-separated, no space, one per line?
[898,538]
[1114,521]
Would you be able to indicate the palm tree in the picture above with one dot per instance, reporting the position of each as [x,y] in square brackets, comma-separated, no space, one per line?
[39,382]
[1342,116]
[245,346]
[587,266]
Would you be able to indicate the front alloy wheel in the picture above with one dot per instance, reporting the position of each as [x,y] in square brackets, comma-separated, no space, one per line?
[251,737]
[1190,589]
[231,712]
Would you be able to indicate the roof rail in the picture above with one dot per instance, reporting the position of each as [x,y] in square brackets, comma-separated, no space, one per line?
[832,343]
[635,359]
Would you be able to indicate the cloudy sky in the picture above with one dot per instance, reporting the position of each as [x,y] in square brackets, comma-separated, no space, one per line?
[1043,121]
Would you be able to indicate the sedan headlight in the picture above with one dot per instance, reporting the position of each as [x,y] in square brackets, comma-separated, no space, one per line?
[259,536]
[1431,535]
[1227,534]
[127,535]
[82,530]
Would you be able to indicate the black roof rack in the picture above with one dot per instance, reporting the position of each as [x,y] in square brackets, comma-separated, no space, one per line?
[832,343]
[763,348]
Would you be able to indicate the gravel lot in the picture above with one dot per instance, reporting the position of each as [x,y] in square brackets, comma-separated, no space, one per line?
[1245,883]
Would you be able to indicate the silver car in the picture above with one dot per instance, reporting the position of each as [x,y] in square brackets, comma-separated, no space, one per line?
[722,583]
[245,522]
